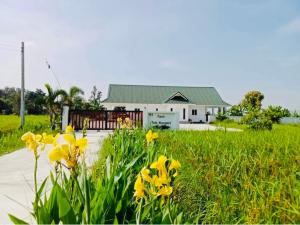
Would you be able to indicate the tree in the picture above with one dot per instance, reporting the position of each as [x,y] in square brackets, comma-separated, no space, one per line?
[53,103]
[95,99]
[35,102]
[73,96]
[252,101]
[275,113]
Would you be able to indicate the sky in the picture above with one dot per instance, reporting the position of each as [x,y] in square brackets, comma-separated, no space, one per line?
[235,46]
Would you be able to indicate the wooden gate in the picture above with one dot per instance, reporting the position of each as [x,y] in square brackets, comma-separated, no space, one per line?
[102,120]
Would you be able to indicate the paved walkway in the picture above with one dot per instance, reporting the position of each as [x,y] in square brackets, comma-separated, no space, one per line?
[16,177]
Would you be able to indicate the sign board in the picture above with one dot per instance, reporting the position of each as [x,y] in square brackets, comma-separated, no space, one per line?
[161,120]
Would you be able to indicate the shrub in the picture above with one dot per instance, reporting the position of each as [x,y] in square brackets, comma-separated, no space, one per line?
[275,113]
[235,110]
[221,116]
[256,120]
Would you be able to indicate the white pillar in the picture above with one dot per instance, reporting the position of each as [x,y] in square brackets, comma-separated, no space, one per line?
[65,117]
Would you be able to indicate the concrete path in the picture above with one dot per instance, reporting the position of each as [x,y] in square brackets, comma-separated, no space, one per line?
[16,177]
[197,126]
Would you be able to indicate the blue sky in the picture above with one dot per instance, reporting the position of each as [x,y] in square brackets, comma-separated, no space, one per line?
[233,45]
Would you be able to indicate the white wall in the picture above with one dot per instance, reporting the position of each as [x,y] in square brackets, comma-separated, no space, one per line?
[201,110]
[152,107]
[287,120]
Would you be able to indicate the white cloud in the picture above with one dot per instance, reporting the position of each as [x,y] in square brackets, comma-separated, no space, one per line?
[291,27]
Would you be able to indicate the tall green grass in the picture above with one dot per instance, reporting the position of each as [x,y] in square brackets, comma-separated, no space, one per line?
[10,133]
[242,177]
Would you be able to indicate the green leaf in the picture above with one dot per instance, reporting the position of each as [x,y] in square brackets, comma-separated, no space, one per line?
[116,220]
[42,187]
[16,220]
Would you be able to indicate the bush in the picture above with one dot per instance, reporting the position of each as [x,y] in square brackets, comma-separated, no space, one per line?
[235,110]
[257,121]
[275,113]
[221,116]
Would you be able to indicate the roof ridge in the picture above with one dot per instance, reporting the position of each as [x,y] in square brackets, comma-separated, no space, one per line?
[149,85]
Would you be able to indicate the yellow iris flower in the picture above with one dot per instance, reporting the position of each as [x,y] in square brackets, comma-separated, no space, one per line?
[145,175]
[165,191]
[59,152]
[32,141]
[69,129]
[139,188]
[175,165]
[151,136]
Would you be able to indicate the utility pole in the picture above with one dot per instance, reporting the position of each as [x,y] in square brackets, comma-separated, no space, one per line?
[22,106]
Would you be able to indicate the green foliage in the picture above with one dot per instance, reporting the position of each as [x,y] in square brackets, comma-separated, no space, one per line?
[95,100]
[53,101]
[275,113]
[221,116]
[257,120]
[77,197]
[10,133]
[10,101]
[252,101]
[237,177]
[295,114]
[236,110]
[73,98]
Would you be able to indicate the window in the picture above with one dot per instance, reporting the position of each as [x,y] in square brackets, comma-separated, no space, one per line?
[156,109]
[137,109]
[183,116]
[194,112]
[171,109]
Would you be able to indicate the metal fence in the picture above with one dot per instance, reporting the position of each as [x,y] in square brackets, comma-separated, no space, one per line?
[102,120]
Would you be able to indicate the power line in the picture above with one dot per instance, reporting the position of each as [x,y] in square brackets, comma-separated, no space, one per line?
[54,74]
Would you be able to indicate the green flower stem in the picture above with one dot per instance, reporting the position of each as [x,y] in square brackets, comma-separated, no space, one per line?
[35,187]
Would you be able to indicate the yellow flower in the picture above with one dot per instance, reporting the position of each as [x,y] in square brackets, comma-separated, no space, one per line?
[119,120]
[139,188]
[69,129]
[165,191]
[48,139]
[160,164]
[70,138]
[156,181]
[175,165]
[27,136]
[55,154]
[81,143]
[32,141]
[127,120]
[151,136]
[59,152]
[145,174]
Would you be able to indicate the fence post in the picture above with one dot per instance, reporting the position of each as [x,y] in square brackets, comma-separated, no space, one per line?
[65,117]
[106,119]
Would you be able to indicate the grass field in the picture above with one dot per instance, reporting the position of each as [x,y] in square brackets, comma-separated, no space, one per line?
[10,133]
[242,177]
[234,177]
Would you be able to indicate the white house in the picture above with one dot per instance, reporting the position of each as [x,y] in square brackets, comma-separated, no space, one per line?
[194,104]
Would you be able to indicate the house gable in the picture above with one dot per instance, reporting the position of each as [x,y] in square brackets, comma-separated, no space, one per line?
[177,98]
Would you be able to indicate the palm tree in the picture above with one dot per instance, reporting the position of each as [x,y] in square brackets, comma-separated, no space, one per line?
[53,104]
[74,93]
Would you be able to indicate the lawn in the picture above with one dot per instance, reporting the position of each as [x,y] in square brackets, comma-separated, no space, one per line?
[238,177]
[10,133]
[229,124]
